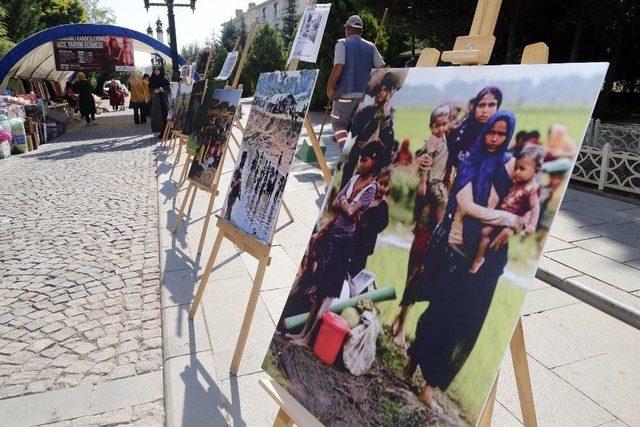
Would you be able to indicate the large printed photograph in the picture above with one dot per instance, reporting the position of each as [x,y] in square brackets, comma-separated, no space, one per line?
[213,125]
[429,238]
[269,144]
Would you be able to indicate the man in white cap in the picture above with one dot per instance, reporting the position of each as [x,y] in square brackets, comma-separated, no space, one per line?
[354,57]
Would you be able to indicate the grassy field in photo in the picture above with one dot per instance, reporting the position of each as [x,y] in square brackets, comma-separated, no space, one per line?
[413,123]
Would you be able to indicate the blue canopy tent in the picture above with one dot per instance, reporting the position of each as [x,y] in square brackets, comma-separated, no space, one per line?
[33,57]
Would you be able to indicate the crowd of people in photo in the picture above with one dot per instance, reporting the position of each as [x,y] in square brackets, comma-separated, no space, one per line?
[475,190]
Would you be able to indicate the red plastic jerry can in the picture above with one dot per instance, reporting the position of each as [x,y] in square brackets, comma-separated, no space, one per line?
[333,331]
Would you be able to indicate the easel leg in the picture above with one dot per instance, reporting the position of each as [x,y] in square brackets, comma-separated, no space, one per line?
[287,211]
[193,197]
[315,143]
[205,276]
[184,173]
[176,161]
[248,315]
[282,419]
[176,224]
[523,379]
[487,414]
[207,217]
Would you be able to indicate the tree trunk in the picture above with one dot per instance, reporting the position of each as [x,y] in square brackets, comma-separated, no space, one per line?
[603,100]
[510,54]
[577,39]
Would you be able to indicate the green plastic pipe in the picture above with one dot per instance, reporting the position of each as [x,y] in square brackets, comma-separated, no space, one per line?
[382,294]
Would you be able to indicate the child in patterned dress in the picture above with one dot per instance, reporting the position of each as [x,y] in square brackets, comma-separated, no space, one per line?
[523,199]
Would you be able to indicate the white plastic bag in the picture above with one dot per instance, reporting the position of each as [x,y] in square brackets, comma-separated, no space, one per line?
[360,349]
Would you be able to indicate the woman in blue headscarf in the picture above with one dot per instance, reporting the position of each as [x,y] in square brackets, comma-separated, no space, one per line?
[459,144]
[458,300]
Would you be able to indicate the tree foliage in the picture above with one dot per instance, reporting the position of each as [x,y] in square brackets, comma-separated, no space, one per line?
[289,22]
[228,36]
[191,51]
[266,54]
[98,14]
[22,18]
[59,12]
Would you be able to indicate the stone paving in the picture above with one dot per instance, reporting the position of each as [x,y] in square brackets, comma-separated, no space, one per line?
[79,266]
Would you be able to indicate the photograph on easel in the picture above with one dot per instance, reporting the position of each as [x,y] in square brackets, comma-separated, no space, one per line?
[195,102]
[428,240]
[269,144]
[228,66]
[213,126]
[306,44]
[182,106]
[171,99]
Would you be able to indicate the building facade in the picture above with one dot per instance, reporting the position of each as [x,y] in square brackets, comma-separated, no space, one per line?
[270,11]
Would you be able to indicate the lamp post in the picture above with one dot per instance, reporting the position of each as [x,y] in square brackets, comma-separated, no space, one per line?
[170,4]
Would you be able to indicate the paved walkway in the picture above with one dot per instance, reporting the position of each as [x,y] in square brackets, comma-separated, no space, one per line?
[80,316]
[583,363]
[80,333]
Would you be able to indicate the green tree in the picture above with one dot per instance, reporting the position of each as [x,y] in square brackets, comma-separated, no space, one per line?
[5,43]
[266,54]
[229,35]
[97,14]
[191,51]
[59,12]
[289,22]
[22,18]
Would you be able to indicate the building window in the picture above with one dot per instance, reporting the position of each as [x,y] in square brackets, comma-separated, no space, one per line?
[275,9]
[264,14]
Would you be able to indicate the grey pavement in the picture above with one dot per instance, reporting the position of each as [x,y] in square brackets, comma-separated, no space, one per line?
[80,332]
[583,363]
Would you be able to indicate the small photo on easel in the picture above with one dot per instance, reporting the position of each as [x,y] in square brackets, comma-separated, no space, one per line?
[268,147]
[213,126]
[430,236]
[181,109]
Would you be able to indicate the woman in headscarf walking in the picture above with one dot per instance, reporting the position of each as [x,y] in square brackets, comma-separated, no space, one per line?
[86,102]
[139,98]
[159,87]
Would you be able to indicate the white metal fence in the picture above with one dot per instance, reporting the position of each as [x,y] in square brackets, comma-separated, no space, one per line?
[610,157]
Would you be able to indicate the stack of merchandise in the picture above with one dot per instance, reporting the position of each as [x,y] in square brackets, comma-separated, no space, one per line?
[5,139]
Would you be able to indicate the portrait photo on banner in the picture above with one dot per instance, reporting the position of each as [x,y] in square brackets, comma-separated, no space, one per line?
[213,125]
[428,240]
[269,144]
[181,109]
[309,36]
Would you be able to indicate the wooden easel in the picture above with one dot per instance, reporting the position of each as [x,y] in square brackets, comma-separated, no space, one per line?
[190,153]
[213,191]
[167,135]
[252,246]
[474,49]
[315,140]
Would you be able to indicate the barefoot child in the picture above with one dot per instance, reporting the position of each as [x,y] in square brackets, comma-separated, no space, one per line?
[334,248]
[523,199]
[430,205]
